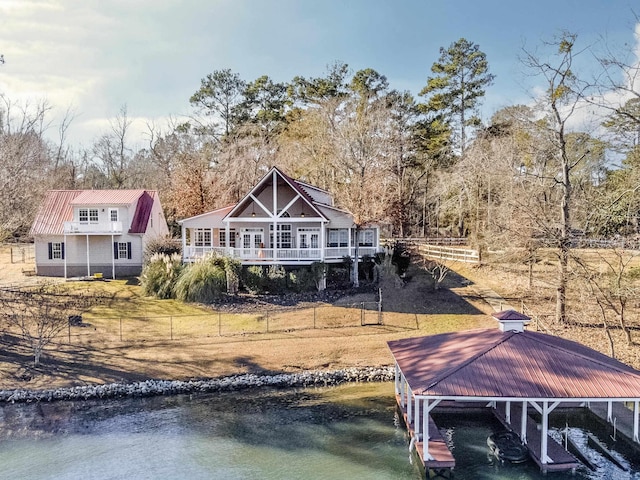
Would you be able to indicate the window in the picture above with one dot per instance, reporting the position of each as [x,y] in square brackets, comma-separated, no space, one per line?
[88,215]
[203,237]
[122,250]
[283,238]
[223,239]
[113,214]
[56,251]
[366,238]
[338,237]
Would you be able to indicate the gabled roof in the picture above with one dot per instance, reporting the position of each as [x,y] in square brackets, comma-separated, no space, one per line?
[54,210]
[291,182]
[107,197]
[57,208]
[491,363]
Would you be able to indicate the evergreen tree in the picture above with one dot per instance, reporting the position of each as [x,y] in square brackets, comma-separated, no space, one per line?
[454,92]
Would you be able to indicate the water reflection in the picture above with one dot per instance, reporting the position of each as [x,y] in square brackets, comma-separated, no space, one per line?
[347,432]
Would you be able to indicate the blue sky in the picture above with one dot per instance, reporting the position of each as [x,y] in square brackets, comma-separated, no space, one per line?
[97,55]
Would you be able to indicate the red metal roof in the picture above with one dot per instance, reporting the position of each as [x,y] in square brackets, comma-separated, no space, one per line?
[57,207]
[491,363]
[54,211]
[107,197]
[143,212]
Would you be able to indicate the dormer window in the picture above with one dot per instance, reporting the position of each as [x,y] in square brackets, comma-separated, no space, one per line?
[113,214]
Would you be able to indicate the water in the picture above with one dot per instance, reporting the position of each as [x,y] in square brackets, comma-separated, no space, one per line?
[348,432]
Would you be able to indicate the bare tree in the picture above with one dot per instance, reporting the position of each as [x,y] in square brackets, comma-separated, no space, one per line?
[558,104]
[40,314]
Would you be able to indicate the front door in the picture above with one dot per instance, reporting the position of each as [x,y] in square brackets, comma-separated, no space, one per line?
[252,243]
[308,243]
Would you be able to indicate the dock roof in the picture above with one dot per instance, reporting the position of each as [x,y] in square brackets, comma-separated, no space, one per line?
[492,363]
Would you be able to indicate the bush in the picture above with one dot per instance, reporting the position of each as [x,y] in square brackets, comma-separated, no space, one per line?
[303,280]
[253,279]
[400,258]
[160,274]
[163,245]
[204,281]
[276,280]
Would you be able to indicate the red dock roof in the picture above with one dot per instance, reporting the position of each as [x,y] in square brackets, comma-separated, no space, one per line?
[491,363]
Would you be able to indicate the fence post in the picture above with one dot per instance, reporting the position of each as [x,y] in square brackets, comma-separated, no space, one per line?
[69,326]
[171,327]
[267,317]
[219,324]
[314,317]
[120,328]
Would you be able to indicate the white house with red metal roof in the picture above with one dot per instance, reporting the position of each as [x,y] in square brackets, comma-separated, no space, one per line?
[84,232]
[307,227]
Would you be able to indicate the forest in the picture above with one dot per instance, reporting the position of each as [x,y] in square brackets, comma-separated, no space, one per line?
[563,167]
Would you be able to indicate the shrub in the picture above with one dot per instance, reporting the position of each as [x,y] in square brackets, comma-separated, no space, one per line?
[253,279]
[163,245]
[160,274]
[276,280]
[302,280]
[204,281]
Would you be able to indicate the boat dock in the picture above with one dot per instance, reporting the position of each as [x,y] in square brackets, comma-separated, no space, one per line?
[441,462]
[562,459]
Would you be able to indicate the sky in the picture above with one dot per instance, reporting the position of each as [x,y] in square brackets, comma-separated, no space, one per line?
[92,57]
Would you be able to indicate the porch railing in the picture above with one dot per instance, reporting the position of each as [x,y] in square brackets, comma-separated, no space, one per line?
[71,228]
[277,255]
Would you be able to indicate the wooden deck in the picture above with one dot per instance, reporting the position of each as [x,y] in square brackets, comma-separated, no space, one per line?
[623,416]
[562,459]
[442,461]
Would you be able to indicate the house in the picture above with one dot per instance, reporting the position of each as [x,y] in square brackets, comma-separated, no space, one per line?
[84,232]
[279,221]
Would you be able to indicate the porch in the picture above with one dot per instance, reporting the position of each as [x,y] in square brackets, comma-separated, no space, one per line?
[260,256]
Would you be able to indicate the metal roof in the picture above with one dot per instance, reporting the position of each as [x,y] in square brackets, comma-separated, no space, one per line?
[57,208]
[492,363]
[54,210]
[107,197]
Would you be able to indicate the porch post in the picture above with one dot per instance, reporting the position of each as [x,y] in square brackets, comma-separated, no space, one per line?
[113,259]
[523,423]
[66,251]
[507,411]
[88,261]
[409,404]
[609,411]
[322,241]
[183,234]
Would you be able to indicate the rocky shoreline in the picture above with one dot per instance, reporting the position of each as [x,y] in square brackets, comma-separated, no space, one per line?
[148,388]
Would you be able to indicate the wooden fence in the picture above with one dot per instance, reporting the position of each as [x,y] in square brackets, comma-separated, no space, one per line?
[439,252]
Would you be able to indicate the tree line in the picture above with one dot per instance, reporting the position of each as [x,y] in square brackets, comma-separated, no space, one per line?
[420,165]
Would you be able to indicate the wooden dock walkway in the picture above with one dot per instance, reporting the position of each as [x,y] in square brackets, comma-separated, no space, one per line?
[442,462]
[562,459]
[622,415]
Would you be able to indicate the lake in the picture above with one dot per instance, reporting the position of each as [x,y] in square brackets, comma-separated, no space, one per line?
[346,432]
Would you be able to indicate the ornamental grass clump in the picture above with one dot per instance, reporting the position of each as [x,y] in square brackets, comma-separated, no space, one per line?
[160,275]
[204,281]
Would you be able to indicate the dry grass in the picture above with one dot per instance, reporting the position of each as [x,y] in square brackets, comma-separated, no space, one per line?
[169,339]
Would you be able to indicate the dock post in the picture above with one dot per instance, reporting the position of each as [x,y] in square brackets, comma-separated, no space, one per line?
[523,423]
[636,420]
